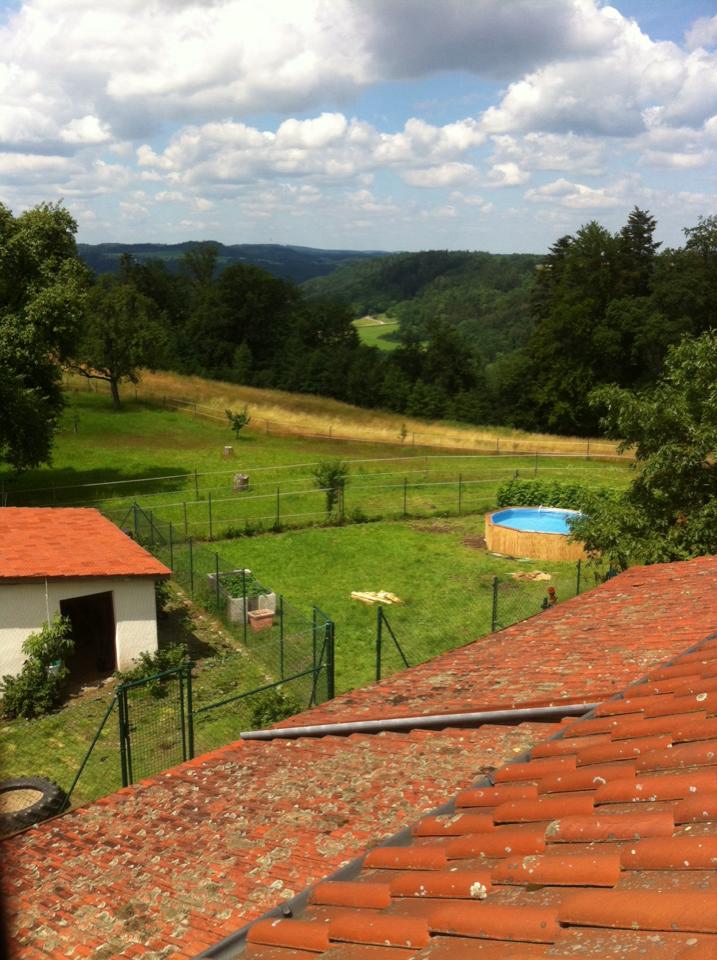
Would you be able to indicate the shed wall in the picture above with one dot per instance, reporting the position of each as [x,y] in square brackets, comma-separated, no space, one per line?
[24,608]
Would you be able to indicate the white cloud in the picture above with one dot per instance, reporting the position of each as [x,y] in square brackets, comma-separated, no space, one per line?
[608,93]
[445,175]
[329,147]
[577,196]
[506,175]
[702,33]
[566,152]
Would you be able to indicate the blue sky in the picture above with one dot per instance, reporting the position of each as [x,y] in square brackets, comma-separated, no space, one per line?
[369,124]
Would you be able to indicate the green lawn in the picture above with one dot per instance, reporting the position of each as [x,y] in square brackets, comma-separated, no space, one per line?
[443,578]
[115,450]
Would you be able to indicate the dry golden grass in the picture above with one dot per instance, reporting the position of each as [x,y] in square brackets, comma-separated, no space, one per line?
[309,415]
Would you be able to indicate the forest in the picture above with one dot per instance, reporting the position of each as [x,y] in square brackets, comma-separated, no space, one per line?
[506,340]
[514,340]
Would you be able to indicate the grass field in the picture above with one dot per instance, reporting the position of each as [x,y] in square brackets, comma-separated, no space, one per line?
[372,331]
[276,412]
[437,567]
[173,463]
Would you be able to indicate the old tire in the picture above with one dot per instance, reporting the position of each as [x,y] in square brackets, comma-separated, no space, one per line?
[43,799]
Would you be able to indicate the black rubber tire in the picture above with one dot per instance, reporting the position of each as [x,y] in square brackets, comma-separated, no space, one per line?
[51,802]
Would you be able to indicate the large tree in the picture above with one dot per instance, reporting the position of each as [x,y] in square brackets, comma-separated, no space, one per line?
[122,333]
[42,289]
[670,509]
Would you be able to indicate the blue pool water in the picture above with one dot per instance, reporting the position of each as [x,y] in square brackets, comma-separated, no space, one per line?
[536,520]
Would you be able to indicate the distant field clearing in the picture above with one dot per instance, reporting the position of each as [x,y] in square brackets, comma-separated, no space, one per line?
[309,415]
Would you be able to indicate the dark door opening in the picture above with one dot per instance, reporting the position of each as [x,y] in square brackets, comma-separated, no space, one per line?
[93,630]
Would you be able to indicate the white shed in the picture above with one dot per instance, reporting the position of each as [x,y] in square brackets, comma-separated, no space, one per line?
[76,562]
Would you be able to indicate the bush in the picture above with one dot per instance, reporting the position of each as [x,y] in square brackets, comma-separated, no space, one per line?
[551,493]
[150,664]
[271,707]
[37,688]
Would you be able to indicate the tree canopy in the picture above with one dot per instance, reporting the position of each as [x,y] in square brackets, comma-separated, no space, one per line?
[42,292]
[670,509]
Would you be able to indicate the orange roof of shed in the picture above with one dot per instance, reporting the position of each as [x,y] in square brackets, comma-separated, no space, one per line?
[48,542]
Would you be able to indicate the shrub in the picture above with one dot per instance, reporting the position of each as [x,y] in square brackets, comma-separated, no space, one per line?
[149,664]
[551,493]
[37,688]
[271,707]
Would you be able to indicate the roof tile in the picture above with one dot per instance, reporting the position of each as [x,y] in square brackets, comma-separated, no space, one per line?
[586,778]
[582,870]
[673,853]
[454,825]
[383,931]
[702,753]
[406,858]
[659,787]
[546,808]
[461,884]
[617,826]
[496,922]
[621,749]
[299,934]
[642,910]
[347,894]
[503,843]
[490,796]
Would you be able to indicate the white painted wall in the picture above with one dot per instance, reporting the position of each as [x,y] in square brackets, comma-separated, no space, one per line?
[24,607]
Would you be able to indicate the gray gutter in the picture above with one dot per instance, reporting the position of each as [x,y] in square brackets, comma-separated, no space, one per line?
[430,721]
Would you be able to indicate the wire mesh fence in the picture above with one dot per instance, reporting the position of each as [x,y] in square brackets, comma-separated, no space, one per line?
[226,503]
[406,637]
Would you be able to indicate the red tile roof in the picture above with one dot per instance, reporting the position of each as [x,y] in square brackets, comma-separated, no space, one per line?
[583,650]
[171,865]
[47,542]
[624,865]
[183,859]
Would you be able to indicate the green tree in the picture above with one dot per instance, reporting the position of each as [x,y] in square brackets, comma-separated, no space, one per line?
[42,289]
[122,333]
[670,509]
[331,477]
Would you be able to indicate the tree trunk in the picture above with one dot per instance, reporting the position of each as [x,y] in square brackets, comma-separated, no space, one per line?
[114,387]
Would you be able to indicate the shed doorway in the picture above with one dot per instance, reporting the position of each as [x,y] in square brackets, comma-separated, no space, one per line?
[93,630]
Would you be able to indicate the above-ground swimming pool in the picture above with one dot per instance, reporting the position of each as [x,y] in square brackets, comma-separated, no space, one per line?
[537,532]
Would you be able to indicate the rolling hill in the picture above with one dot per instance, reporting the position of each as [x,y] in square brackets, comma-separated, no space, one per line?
[287,262]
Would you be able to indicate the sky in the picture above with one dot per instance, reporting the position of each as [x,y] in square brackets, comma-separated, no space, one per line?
[495,125]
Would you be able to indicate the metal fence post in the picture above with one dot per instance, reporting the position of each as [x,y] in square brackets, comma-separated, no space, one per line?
[190,714]
[245,617]
[151,530]
[186,525]
[460,492]
[125,748]
[535,468]
[209,509]
[578,577]
[281,636]
[405,495]
[379,625]
[191,566]
[216,580]
[313,639]
[196,485]
[182,717]
[494,614]
[330,638]
[171,546]
[277,520]
[134,514]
